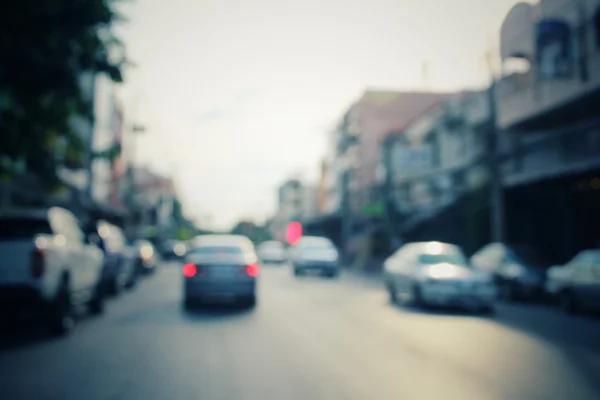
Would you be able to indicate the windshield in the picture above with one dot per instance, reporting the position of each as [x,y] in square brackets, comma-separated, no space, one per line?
[450,258]
[216,250]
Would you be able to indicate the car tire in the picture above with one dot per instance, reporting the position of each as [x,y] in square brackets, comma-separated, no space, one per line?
[297,272]
[96,304]
[487,310]
[333,274]
[416,297]
[188,304]
[61,321]
[567,302]
[250,301]
[392,293]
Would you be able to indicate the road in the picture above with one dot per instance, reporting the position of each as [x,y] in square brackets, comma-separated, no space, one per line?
[308,338]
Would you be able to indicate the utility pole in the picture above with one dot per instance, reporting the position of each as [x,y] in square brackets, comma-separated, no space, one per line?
[497,190]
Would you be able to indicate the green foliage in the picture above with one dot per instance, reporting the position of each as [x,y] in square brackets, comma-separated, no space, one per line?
[45,46]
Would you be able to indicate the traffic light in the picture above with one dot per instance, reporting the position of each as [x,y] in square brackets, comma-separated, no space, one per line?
[293,232]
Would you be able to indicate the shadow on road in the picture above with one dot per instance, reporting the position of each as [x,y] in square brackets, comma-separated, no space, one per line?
[173,313]
[215,312]
[440,311]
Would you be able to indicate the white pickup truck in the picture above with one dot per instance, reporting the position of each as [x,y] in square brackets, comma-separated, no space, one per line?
[47,266]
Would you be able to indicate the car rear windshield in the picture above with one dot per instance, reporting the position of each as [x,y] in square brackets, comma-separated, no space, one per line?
[213,250]
[451,258]
[12,228]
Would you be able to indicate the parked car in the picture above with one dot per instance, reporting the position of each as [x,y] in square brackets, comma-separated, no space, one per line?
[173,250]
[48,266]
[272,252]
[518,270]
[146,258]
[220,267]
[576,286]
[315,254]
[434,273]
[119,257]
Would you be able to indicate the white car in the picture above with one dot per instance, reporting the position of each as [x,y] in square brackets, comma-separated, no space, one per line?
[435,273]
[272,252]
[315,254]
[48,266]
[220,267]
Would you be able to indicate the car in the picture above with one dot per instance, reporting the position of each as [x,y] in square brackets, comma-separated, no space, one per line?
[218,267]
[119,256]
[272,252]
[173,250]
[436,273]
[518,270]
[315,254]
[49,267]
[146,259]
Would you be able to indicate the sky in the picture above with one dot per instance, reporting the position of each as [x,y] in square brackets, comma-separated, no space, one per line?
[238,95]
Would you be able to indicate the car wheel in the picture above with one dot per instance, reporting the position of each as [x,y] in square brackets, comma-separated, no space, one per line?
[507,292]
[297,272]
[96,305]
[567,303]
[61,320]
[487,310]
[392,293]
[416,297]
[250,301]
[188,304]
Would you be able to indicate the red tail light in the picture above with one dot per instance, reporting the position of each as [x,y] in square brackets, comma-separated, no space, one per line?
[37,263]
[190,270]
[252,270]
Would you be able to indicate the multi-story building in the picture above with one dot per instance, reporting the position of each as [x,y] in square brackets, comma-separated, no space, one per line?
[548,111]
[107,171]
[362,129]
[435,165]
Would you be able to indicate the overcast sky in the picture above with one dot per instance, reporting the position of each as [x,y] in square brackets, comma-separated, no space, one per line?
[237,95]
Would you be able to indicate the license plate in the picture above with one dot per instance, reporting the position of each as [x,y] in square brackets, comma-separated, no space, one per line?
[223,271]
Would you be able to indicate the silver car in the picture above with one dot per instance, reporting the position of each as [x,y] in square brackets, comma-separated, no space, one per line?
[434,273]
[220,267]
[315,254]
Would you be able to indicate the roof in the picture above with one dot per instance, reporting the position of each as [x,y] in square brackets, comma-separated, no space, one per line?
[435,247]
[220,239]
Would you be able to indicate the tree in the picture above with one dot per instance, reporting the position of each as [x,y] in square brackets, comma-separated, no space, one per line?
[46,47]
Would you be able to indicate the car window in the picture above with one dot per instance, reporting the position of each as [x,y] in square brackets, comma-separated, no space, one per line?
[451,258]
[15,228]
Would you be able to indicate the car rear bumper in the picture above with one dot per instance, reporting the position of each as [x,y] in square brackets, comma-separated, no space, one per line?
[20,298]
[317,266]
[451,298]
[217,290]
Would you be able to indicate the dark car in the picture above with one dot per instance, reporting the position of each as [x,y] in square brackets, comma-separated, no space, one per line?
[146,257]
[518,270]
[173,250]
[119,270]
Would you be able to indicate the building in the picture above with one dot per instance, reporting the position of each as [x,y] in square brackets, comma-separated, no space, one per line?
[435,170]
[108,169]
[361,131]
[550,147]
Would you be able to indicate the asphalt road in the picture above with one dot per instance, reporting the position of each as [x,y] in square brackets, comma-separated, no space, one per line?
[308,338]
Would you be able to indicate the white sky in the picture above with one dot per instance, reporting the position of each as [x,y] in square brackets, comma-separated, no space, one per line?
[237,95]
